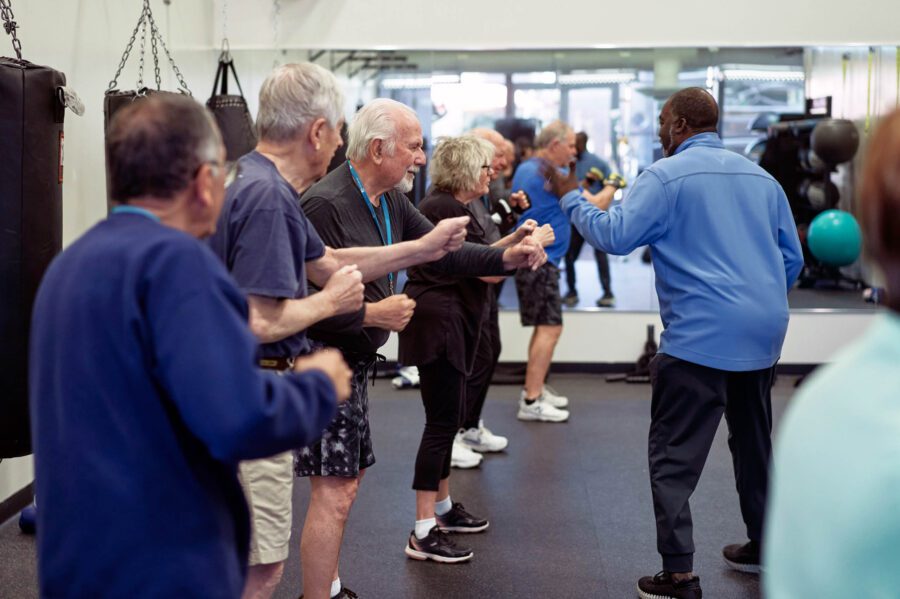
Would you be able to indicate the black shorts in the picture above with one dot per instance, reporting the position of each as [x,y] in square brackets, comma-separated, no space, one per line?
[346,445]
[539,300]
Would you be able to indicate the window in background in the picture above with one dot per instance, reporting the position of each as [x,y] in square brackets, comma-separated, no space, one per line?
[474,100]
[590,110]
[542,104]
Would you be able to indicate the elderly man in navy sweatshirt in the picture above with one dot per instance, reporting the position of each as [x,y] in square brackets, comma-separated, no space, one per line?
[725,253]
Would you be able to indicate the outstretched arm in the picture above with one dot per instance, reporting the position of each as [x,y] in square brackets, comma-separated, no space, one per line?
[375,262]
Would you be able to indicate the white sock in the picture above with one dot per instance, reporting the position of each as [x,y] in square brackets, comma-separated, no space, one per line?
[442,507]
[335,587]
[424,526]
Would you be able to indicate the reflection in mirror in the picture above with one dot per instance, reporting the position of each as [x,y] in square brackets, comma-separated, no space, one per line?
[614,97]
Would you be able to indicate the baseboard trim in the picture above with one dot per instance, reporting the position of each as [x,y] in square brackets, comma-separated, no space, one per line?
[389,369]
[16,502]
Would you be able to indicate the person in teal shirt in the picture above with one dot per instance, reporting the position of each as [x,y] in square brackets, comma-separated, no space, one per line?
[833,527]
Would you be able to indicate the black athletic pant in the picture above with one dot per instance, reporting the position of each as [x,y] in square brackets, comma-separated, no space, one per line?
[443,390]
[487,354]
[687,406]
[575,244]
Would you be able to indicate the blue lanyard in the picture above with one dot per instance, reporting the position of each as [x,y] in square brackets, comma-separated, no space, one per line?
[134,210]
[387,236]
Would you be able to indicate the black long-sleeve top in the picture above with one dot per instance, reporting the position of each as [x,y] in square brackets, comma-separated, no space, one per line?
[338,211]
[451,309]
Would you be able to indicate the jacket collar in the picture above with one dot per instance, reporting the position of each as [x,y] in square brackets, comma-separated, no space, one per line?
[708,140]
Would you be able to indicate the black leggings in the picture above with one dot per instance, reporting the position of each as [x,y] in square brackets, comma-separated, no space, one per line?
[486,357]
[443,390]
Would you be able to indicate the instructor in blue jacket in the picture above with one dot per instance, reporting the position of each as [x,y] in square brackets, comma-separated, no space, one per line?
[725,254]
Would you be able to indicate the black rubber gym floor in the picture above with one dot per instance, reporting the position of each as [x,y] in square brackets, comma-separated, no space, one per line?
[569,504]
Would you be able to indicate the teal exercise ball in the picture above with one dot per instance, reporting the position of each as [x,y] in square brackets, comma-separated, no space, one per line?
[834,238]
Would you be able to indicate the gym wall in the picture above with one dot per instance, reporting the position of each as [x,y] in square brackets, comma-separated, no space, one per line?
[85,39]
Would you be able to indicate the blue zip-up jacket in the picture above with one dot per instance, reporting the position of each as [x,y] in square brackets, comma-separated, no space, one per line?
[725,252]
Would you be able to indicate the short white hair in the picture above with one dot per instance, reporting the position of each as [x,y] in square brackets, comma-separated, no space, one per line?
[557,130]
[376,120]
[456,162]
[293,96]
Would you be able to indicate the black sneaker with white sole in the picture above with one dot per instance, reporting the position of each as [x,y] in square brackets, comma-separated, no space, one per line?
[344,594]
[459,520]
[743,558]
[437,546]
[662,586]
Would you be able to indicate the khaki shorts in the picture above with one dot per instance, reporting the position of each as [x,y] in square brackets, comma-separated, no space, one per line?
[268,487]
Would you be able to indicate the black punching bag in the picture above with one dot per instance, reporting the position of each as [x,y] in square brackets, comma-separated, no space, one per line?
[31,176]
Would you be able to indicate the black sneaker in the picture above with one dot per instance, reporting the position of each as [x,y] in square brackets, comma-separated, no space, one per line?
[344,594]
[662,586]
[570,299]
[743,558]
[459,520]
[437,546]
[607,301]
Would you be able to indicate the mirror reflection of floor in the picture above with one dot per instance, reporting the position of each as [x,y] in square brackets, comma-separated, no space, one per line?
[633,284]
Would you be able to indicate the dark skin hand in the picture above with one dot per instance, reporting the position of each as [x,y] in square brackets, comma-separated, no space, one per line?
[559,185]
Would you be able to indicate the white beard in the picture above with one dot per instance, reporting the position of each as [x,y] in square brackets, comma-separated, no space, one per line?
[405,185]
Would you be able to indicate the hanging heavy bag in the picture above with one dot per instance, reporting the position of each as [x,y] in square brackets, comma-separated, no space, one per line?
[231,112]
[33,99]
[115,99]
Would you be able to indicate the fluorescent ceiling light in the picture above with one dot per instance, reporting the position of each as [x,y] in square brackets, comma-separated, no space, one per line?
[598,77]
[762,75]
[406,83]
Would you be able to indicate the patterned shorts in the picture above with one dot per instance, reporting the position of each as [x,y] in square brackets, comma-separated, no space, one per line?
[346,445]
[539,300]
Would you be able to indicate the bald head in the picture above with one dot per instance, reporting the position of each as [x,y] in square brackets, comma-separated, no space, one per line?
[688,112]
[697,107]
[499,161]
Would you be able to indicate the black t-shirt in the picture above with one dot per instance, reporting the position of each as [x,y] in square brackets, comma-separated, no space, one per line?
[339,213]
[451,309]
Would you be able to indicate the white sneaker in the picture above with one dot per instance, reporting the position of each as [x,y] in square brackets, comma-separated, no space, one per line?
[553,398]
[541,411]
[482,439]
[463,457]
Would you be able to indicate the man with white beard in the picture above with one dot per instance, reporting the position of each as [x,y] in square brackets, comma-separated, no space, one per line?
[361,203]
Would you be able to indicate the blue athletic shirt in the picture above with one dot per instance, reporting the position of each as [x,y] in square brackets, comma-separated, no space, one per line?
[544,206]
[144,396]
[725,252]
[265,241]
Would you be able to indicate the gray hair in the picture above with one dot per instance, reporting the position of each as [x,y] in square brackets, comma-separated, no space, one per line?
[295,95]
[156,146]
[375,120]
[457,162]
[557,130]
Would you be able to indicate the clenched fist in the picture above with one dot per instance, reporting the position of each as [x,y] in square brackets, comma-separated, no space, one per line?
[392,313]
[447,236]
[331,362]
[544,235]
[345,289]
[528,253]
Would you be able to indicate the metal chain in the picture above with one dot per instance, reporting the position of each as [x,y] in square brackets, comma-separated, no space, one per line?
[225,19]
[157,36]
[10,25]
[156,75]
[156,39]
[140,79]
[115,79]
